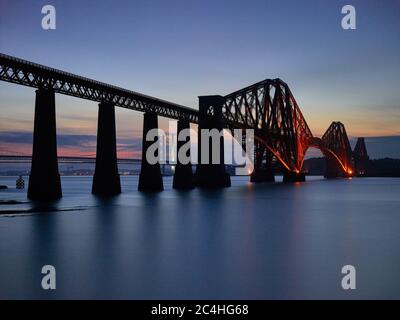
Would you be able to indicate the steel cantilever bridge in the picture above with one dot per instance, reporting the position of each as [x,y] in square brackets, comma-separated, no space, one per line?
[281,132]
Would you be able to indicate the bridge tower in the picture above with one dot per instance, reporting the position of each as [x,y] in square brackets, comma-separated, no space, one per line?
[335,139]
[208,173]
[106,180]
[44,179]
[361,158]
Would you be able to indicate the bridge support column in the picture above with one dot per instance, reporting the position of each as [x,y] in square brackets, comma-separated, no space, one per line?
[44,179]
[150,179]
[262,175]
[290,176]
[209,174]
[183,177]
[106,180]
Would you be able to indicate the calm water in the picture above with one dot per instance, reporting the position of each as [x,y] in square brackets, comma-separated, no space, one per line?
[245,242]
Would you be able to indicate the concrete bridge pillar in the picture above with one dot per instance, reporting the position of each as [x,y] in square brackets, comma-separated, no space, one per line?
[183,177]
[106,180]
[208,174]
[44,180]
[150,179]
[290,176]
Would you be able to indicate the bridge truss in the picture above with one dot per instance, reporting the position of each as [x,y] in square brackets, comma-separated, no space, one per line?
[281,130]
[34,75]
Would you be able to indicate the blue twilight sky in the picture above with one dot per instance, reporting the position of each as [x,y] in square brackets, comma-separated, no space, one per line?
[178,50]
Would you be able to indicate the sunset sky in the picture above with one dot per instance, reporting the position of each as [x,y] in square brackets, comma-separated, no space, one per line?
[178,50]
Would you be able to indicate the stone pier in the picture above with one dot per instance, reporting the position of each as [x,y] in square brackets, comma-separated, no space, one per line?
[44,179]
[211,175]
[150,179]
[183,176]
[106,180]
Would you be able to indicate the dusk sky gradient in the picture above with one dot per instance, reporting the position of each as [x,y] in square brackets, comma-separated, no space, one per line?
[178,50]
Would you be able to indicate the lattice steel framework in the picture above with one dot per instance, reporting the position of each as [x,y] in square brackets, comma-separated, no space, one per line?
[335,140]
[270,108]
[281,131]
[38,76]
[360,150]
[360,156]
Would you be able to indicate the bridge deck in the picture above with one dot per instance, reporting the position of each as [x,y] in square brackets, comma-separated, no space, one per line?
[34,75]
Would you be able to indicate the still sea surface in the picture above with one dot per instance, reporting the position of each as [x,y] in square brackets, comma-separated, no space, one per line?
[264,241]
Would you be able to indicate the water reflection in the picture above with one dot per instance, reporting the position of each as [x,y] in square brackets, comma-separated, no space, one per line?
[244,242]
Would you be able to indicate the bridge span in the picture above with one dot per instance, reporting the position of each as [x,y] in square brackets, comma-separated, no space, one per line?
[268,107]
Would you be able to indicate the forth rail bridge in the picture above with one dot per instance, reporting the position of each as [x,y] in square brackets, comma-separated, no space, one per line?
[268,107]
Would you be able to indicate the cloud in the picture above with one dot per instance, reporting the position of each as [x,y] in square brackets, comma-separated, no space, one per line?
[16,137]
[67,143]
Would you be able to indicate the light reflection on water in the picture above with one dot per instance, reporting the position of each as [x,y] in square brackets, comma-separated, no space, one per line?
[263,241]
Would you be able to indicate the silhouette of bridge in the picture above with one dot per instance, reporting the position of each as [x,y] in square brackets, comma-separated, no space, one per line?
[268,107]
